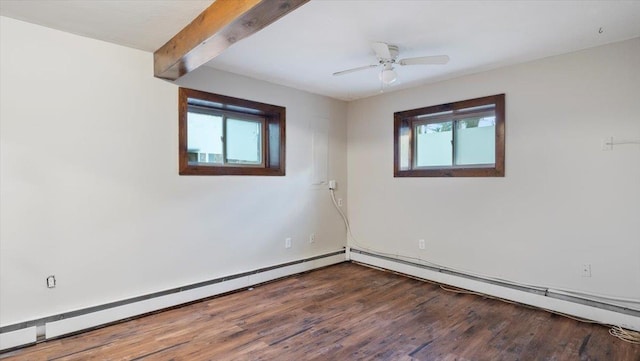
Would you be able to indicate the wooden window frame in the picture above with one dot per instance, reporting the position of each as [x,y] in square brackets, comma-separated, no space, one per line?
[273,135]
[405,121]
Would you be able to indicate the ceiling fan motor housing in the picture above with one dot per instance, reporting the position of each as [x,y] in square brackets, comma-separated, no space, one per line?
[393,50]
[387,56]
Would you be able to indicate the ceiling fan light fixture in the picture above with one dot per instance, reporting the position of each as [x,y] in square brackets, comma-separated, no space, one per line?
[387,59]
[388,76]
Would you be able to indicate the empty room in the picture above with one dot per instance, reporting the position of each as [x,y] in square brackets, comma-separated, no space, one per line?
[319,180]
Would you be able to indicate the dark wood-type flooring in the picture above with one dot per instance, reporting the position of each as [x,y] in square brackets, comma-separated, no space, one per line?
[342,312]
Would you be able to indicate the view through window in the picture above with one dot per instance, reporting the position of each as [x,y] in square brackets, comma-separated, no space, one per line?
[220,135]
[458,139]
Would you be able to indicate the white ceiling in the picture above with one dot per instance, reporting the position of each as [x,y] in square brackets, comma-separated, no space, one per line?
[140,24]
[304,48]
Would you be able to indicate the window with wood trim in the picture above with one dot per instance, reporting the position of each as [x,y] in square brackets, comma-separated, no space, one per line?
[221,135]
[461,139]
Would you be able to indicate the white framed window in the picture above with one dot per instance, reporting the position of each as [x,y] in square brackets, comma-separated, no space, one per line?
[224,138]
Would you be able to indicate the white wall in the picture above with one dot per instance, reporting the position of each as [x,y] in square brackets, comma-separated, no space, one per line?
[89,183]
[563,203]
[89,189]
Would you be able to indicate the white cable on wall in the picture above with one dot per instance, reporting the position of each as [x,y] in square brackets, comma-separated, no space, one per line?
[515,283]
[616,331]
[592,296]
[623,142]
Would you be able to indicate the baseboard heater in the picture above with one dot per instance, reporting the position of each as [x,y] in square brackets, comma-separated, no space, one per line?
[540,297]
[28,332]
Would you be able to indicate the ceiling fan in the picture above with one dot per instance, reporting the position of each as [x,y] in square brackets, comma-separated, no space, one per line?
[388,57]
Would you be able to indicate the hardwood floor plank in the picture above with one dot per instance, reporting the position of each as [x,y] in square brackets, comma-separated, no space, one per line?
[342,312]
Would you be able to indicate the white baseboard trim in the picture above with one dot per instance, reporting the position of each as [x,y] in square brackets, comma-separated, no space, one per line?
[17,338]
[600,315]
[14,336]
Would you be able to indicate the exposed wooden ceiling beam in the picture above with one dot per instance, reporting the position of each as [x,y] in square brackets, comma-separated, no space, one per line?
[214,30]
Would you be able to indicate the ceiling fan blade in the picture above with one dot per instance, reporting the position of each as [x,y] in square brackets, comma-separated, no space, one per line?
[355,69]
[434,59]
[382,50]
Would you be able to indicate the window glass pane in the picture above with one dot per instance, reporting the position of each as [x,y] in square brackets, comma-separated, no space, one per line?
[274,144]
[475,140]
[405,145]
[204,138]
[435,117]
[433,144]
[244,141]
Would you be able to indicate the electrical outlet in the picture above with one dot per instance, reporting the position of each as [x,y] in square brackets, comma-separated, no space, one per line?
[51,281]
[287,243]
[607,143]
[586,270]
[339,202]
[421,244]
[312,237]
[332,184]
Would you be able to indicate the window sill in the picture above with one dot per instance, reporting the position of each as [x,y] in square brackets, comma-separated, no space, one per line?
[230,170]
[451,172]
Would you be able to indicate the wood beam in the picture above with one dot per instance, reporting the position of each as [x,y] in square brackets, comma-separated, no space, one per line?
[214,30]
